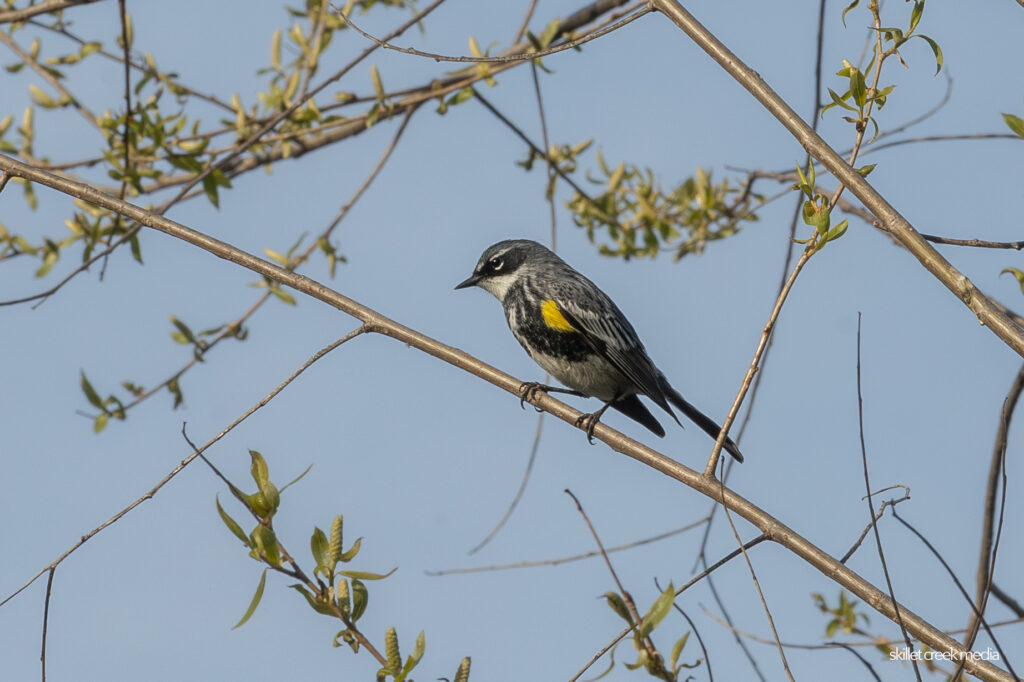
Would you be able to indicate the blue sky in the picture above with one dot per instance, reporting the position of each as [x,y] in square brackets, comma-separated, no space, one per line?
[421,458]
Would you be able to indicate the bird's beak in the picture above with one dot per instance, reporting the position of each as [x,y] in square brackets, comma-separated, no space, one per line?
[473,279]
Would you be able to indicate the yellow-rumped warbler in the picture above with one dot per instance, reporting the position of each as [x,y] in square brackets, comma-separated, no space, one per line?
[578,335]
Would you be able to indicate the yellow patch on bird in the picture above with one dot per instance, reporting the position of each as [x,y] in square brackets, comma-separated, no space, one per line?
[553,317]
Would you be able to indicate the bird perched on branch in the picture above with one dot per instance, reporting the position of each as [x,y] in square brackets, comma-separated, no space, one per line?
[579,336]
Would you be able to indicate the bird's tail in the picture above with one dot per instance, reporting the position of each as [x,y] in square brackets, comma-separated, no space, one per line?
[705,422]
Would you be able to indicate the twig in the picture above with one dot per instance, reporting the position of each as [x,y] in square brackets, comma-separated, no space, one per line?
[43,7]
[640,10]
[875,518]
[514,503]
[997,466]
[975,609]
[188,460]
[1008,601]
[871,514]
[574,557]
[46,620]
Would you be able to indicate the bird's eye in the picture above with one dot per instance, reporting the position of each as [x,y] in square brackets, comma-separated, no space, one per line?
[496,263]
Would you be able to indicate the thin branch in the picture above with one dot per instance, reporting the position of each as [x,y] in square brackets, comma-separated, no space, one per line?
[46,620]
[574,557]
[755,363]
[760,592]
[1008,601]
[514,503]
[43,7]
[997,465]
[185,462]
[974,608]
[874,519]
[871,515]
[526,21]
[640,9]
[772,527]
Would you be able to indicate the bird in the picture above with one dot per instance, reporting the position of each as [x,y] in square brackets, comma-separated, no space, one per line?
[577,334]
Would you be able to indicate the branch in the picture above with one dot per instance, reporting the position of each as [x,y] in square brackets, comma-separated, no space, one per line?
[958,283]
[40,8]
[373,321]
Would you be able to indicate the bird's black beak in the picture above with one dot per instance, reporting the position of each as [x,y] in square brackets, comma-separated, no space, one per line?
[473,279]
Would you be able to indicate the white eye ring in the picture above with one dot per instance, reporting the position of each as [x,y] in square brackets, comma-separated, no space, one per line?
[496,263]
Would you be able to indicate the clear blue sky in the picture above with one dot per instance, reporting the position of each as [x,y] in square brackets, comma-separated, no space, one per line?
[423,459]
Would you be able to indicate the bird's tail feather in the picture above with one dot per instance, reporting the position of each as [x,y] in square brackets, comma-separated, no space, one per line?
[705,422]
[636,410]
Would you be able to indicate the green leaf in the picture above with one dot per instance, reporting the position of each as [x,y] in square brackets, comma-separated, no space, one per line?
[857,88]
[233,525]
[283,295]
[353,550]
[266,542]
[296,479]
[1016,273]
[255,600]
[677,649]
[618,605]
[316,604]
[259,470]
[837,231]
[318,545]
[659,609]
[185,335]
[549,33]
[863,171]
[848,8]
[1016,123]
[915,15]
[91,395]
[360,598]
[366,575]
[100,422]
[936,50]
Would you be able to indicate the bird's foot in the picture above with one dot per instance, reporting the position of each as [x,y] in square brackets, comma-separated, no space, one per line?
[528,390]
[588,422]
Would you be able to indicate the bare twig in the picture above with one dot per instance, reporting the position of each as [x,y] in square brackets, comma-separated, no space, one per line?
[515,500]
[974,608]
[575,557]
[46,620]
[875,518]
[640,10]
[986,558]
[43,7]
[760,592]
[871,514]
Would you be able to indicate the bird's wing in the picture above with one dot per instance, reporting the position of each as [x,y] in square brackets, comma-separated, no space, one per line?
[608,333]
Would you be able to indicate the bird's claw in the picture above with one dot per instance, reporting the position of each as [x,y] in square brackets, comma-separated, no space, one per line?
[588,422]
[528,390]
